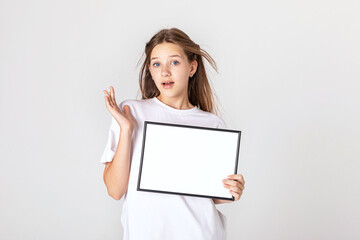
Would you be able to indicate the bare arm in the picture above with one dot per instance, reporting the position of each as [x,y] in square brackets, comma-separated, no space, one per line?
[116,173]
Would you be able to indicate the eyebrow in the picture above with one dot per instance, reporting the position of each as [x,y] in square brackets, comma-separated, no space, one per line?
[169,56]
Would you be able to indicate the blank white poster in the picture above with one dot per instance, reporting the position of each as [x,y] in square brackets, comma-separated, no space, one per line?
[188,160]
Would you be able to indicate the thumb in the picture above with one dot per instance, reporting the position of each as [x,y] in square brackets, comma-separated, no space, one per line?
[127,109]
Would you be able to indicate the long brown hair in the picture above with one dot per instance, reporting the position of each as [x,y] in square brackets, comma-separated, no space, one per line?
[199,90]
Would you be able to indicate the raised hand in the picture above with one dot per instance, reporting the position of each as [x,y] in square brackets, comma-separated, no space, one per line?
[124,118]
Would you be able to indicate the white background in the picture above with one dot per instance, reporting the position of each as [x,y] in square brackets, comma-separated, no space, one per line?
[288,78]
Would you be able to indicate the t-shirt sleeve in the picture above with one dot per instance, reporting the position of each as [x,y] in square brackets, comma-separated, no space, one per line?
[112,142]
[222,124]
[113,139]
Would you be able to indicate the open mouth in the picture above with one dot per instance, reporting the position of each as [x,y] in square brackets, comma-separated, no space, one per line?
[167,84]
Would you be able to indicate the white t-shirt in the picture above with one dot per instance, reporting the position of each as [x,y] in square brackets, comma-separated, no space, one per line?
[157,216]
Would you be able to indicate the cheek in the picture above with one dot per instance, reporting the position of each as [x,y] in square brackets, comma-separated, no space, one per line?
[155,75]
[185,75]
[154,72]
[182,72]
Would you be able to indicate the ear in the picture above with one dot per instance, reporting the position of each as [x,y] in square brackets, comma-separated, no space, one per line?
[194,65]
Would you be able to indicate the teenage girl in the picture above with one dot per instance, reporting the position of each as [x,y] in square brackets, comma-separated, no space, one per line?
[175,89]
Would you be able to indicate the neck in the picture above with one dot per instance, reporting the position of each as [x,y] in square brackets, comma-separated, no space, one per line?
[177,103]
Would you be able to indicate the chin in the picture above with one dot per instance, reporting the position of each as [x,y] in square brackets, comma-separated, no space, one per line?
[169,94]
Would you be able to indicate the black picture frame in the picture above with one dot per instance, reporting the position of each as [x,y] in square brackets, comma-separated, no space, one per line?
[236,160]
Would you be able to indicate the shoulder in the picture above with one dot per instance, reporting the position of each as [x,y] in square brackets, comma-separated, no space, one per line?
[133,103]
[220,123]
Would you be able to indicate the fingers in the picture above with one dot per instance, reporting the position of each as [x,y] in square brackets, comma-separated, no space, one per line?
[234,185]
[108,100]
[112,94]
[110,97]
[235,181]
[236,195]
[236,188]
[233,188]
[237,177]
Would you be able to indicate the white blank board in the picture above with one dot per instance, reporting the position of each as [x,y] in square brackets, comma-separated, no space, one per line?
[187,160]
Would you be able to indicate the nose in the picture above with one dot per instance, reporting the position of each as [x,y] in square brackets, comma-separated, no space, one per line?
[165,72]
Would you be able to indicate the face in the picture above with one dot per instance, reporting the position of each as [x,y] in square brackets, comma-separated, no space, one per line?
[168,63]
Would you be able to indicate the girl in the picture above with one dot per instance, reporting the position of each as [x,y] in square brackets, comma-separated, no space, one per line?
[175,89]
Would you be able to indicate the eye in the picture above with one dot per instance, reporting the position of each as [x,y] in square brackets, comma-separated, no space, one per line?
[175,62]
[155,64]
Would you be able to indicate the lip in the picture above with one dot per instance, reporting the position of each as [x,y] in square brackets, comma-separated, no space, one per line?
[167,86]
